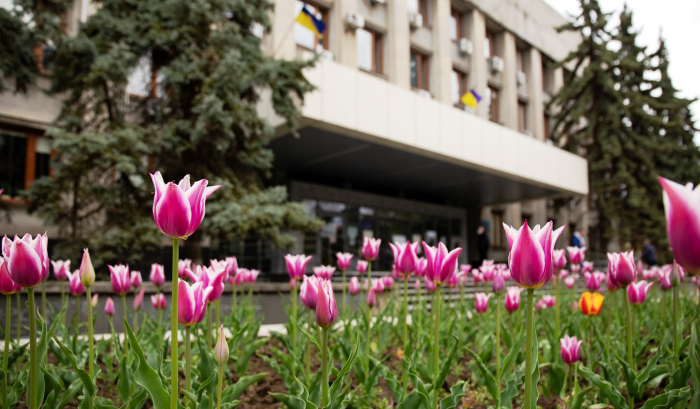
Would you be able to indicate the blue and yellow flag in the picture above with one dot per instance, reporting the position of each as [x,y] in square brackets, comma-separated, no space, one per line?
[307,19]
[471,98]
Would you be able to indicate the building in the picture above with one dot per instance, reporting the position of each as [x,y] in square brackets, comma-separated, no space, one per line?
[386,148]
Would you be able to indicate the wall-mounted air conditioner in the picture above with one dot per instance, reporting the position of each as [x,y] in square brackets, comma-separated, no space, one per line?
[415,20]
[521,78]
[496,64]
[353,21]
[465,46]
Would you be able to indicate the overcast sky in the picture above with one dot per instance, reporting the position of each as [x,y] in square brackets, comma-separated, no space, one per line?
[679,23]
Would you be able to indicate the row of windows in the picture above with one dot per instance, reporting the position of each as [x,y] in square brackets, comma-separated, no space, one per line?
[24,158]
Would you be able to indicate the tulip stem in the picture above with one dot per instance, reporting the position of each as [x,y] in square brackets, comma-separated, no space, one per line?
[419,313]
[345,305]
[367,344]
[663,311]
[33,364]
[76,316]
[436,347]
[676,335]
[498,347]
[591,362]
[294,327]
[630,356]
[221,385]
[188,360]
[8,325]
[160,312]
[324,367]
[556,305]
[307,353]
[126,339]
[208,318]
[91,342]
[235,293]
[404,375]
[217,311]
[19,318]
[607,331]
[63,301]
[174,392]
[115,339]
[528,349]
[43,304]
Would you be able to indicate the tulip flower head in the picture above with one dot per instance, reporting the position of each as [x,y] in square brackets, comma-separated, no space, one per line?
[570,349]
[429,285]
[593,280]
[421,266]
[487,271]
[576,254]
[549,301]
[326,309]
[221,351]
[591,304]
[95,299]
[109,306]
[178,209]
[361,266]
[210,278]
[60,268]
[405,258]
[481,302]
[682,208]
[559,259]
[512,300]
[354,286]
[370,248]
[183,266]
[498,284]
[371,298]
[387,281]
[158,301]
[7,286]
[441,263]
[416,284]
[587,267]
[309,292]
[324,272]
[136,279]
[637,292]
[231,267]
[343,260]
[157,276]
[570,281]
[563,274]
[192,303]
[465,268]
[120,278]
[377,285]
[540,305]
[610,284]
[530,256]
[621,267]
[296,265]
[26,259]
[138,300]
[75,286]
[665,279]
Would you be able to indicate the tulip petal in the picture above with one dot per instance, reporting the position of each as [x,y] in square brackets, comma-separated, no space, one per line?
[527,259]
[173,213]
[24,265]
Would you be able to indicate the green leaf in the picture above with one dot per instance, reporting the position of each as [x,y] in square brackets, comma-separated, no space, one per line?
[513,386]
[535,375]
[446,365]
[124,380]
[679,377]
[669,399]
[556,378]
[146,376]
[88,384]
[577,402]
[605,388]
[630,376]
[244,355]
[643,376]
[694,356]
[232,392]
[457,391]
[513,353]
[311,338]
[490,380]
[340,377]
[377,370]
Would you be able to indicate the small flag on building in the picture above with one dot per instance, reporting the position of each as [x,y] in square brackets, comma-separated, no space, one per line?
[471,98]
[307,19]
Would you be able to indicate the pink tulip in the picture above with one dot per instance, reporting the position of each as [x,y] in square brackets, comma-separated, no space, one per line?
[95,299]
[343,260]
[587,266]
[221,351]
[75,286]
[136,279]
[593,280]
[192,303]
[570,349]
[540,304]
[370,248]
[109,306]
[296,265]
[308,291]
[488,271]
[179,209]
[441,264]
[119,276]
[371,298]
[665,280]
[87,271]
[324,272]
[253,276]
[405,258]
[361,266]
[563,274]
[182,266]
[158,301]
[7,286]
[138,300]
[530,257]
[210,278]
[549,300]
[429,285]
[242,276]
[465,268]
[157,276]
[610,284]
[498,284]
[576,254]
[621,267]
[354,286]
[326,309]
[387,281]
[559,259]
[231,268]
[421,266]
[60,268]
[637,292]
[682,206]
[416,285]
[570,281]
[377,285]
[481,302]
[478,277]
[26,259]
[512,300]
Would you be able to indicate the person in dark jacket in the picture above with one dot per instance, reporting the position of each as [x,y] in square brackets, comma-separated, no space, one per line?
[483,243]
[649,254]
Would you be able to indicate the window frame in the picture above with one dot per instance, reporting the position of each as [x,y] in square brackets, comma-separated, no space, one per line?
[423,68]
[498,234]
[459,23]
[376,52]
[30,161]
[462,78]
[324,11]
[522,116]
[494,104]
[493,49]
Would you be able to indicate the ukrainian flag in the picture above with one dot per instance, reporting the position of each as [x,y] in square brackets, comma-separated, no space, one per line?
[308,20]
[471,98]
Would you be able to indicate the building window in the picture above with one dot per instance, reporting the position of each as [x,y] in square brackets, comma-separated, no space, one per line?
[459,86]
[546,76]
[490,49]
[456,25]
[370,52]
[305,37]
[522,117]
[493,101]
[498,232]
[420,71]
[419,7]
[23,158]
[547,126]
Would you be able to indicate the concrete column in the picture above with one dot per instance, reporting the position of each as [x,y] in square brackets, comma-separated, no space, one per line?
[509,92]
[344,44]
[478,75]
[534,91]
[399,50]
[443,51]
[281,38]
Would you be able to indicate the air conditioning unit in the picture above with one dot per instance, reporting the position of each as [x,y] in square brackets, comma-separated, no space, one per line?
[465,46]
[496,64]
[377,2]
[354,21]
[424,93]
[521,78]
[415,20]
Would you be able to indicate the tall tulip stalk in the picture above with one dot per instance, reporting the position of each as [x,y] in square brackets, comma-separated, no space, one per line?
[178,210]
[559,261]
[7,288]
[591,304]
[405,262]
[296,268]
[87,279]
[326,314]
[370,252]
[192,307]
[221,354]
[531,266]
[309,294]
[343,261]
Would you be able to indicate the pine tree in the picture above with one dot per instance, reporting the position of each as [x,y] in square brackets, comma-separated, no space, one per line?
[199,117]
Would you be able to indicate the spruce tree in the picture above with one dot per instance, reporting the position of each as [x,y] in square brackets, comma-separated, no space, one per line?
[199,117]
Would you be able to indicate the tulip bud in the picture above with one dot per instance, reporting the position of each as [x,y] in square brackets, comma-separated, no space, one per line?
[109,307]
[622,268]
[354,286]
[95,299]
[75,286]
[87,272]
[570,349]
[221,352]
[481,302]
[637,292]
[570,281]
[296,265]
[387,281]
[7,286]
[665,280]
[512,300]
[158,301]
[370,248]
[530,257]
[576,254]
[559,259]
[326,309]
[26,259]
[549,300]
[343,260]
[60,268]
[371,298]
[136,279]
[361,266]
[308,292]
[138,300]
[498,284]
[157,276]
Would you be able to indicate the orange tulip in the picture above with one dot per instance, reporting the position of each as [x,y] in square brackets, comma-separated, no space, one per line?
[591,303]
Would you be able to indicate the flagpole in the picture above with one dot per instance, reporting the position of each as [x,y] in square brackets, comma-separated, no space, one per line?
[286,34]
